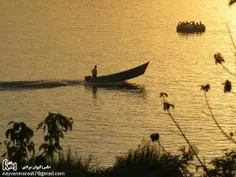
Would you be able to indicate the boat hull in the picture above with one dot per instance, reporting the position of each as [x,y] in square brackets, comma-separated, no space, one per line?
[119,77]
[190,27]
[191,30]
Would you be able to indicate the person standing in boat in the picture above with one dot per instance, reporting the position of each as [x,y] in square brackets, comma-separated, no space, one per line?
[94,71]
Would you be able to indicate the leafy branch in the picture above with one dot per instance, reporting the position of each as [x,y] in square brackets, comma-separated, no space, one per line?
[155,137]
[166,107]
[227,88]
[220,60]
[19,142]
[54,125]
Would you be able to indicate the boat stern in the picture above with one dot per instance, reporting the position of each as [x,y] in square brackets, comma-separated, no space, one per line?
[87,78]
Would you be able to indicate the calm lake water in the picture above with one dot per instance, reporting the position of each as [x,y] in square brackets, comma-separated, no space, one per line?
[46,43]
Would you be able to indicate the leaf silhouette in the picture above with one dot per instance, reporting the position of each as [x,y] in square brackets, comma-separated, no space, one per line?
[163,94]
[16,126]
[9,132]
[70,126]
[155,137]
[218,58]
[11,122]
[44,146]
[8,144]
[30,147]
[61,134]
[46,138]
[227,86]
[205,87]
[40,125]
[231,2]
[166,106]
[22,125]
[54,125]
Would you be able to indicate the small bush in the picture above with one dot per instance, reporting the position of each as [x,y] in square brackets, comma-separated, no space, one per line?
[224,166]
[74,165]
[147,161]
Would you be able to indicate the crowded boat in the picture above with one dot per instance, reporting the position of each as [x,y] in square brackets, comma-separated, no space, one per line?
[190,27]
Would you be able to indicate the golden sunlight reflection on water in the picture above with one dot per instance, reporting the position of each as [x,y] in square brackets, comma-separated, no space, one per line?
[51,41]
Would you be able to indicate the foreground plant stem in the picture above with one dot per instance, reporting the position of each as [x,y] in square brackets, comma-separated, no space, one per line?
[232,40]
[212,115]
[233,74]
[186,139]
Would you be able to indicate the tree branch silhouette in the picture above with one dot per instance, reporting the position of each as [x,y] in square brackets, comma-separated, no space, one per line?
[231,37]
[220,60]
[232,40]
[212,115]
[167,107]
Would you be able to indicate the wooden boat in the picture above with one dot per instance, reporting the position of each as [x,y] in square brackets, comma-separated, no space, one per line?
[190,27]
[118,77]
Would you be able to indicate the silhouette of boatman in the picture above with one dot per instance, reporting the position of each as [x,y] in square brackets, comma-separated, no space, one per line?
[94,71]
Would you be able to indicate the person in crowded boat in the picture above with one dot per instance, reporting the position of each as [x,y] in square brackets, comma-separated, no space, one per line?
[180,23]
[94,71]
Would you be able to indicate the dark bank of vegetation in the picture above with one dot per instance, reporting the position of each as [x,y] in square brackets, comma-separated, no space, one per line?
[147,160]
[150,159]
